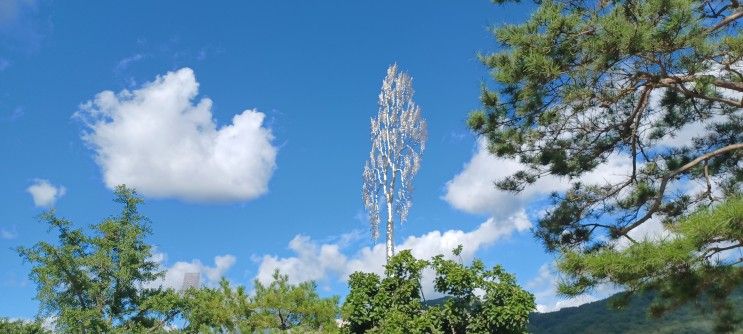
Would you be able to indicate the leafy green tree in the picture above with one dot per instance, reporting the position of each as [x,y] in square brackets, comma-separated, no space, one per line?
[283,306]
[8,326]
[217,310]
[361,310]
[582,82]
[100,282]
[276,307]
[479,300]
[96,282]
[400,298]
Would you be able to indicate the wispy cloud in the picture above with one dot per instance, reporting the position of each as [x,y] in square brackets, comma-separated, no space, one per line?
[20,29]
[11,10]
[8,234]
[124,63]
[17,113]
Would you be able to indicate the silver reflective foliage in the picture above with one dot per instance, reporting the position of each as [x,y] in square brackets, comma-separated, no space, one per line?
[398,138]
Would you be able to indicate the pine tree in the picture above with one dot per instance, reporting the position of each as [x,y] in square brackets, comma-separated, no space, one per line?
[582,82]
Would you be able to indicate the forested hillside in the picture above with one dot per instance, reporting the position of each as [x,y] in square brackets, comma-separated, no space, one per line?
[600,317]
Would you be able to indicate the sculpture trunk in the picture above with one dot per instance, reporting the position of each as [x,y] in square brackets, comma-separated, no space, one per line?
[390,232]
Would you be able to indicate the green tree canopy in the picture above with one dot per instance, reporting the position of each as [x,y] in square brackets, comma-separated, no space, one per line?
[217,310]
[283,306]
[479,300]
[8,326]
[583,82]
[275,307]
[95,282]
[99,280]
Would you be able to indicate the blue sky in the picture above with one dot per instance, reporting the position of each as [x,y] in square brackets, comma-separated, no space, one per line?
[311,71]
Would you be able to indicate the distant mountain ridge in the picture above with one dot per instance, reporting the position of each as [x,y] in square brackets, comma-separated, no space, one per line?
[600,317]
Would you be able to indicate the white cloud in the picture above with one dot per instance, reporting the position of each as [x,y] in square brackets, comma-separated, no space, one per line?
[162,142]
[44,193]
[49,323]
[124,63]
[208,275]
[544,288]
[313,261]
[473,189]
[563,303]
[651,230]
[435,242]
[684,136]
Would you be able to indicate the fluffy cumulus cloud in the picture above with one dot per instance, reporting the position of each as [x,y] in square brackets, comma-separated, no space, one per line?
[209,275]
[44,193]
[310,262]
[314,261]
[161,140]
[473,189]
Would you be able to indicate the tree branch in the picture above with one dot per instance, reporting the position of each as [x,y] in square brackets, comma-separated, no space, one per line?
[668,80]
[636,123]
[736,15]
[715,250]
[664,183]
[685,91]
[709,182]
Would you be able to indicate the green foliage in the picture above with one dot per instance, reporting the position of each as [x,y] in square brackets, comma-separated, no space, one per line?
[284,306]
[217,310]
[92,282]
[480,300]
[8,326]
[680,268]
[388,305]
[503,306]
[276,307]
[97,282]
[580,83]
